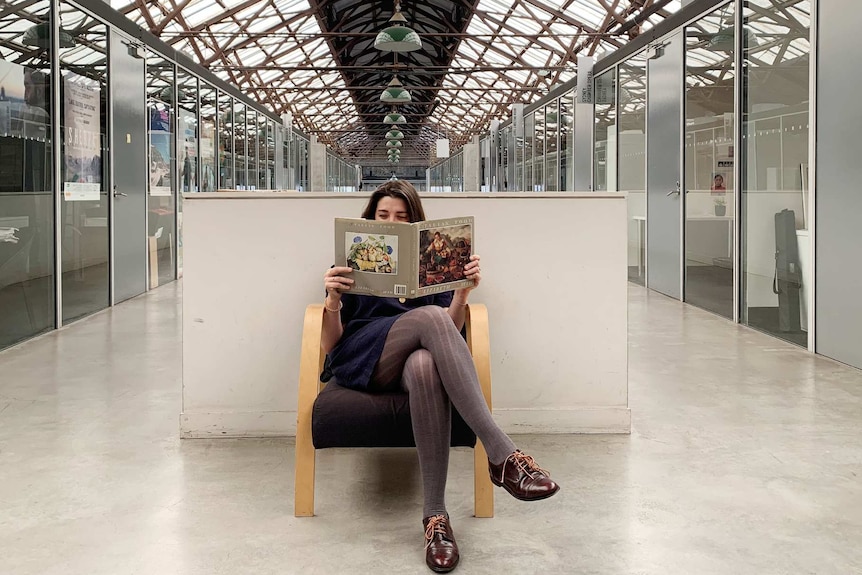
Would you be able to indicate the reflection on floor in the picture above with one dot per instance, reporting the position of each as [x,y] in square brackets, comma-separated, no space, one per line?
[166,265]
[85,291]
[637,275]
[710,288]
[26,309]
[766,319]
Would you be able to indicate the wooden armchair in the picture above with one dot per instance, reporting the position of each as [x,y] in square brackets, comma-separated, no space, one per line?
[375,420]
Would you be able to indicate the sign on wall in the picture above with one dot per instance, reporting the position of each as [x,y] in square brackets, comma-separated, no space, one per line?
[584,94]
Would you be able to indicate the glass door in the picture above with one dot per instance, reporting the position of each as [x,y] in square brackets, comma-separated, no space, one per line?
[710,186]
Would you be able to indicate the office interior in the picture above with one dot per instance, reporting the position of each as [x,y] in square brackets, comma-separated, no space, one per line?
[728,126]
[743,147]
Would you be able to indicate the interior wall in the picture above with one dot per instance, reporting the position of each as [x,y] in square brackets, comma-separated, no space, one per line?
[838,196]
[554,281]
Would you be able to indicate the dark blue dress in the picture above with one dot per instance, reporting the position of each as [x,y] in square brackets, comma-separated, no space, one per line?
[367,320]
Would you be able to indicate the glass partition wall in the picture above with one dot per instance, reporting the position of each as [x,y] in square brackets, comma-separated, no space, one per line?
[605,155]
[539,149]
[84,210]
[188,137]
[709,161]
[631,160]
[552,130]
[774,186]
[27,301]
[162,191]
[209,160]
[567,144]
[60,207]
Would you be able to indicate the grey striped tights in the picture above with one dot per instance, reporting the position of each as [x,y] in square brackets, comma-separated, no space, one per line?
[425,354]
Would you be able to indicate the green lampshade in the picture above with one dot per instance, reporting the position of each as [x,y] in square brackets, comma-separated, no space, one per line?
[398,39]
[394,118]
[40,34]
[395,96]
[394,153]
[394,135]
[393,144]
[723,40]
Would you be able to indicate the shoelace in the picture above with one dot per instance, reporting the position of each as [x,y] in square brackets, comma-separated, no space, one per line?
[525,463]
[436,524]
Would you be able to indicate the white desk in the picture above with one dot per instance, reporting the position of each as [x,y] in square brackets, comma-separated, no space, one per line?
[15,222]
[709,218]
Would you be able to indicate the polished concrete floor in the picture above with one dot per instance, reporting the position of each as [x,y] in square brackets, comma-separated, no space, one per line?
[745,457]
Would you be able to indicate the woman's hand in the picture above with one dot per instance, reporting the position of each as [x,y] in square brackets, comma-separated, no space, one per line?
[335,282]
[472,271]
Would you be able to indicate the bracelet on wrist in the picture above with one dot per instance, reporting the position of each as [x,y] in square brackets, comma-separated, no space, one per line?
[338,309]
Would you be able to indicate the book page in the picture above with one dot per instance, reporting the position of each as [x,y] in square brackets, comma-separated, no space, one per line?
[380,253]
[445,247]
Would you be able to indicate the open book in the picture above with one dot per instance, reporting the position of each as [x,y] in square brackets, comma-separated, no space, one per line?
[395,259]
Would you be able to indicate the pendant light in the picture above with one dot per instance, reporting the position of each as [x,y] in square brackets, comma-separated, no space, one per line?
[394,135]
[395,93]
[394,118]
[397,37]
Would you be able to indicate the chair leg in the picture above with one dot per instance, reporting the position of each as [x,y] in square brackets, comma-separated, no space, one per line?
[484,489]
[303,495]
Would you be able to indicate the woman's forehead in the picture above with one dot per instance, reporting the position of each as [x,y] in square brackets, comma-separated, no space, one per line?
[392,204]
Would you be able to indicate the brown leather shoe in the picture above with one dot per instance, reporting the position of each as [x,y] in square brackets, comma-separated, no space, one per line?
[441,551]
[522,478]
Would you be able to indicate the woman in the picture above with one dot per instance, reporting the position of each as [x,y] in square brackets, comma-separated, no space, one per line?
[377,344]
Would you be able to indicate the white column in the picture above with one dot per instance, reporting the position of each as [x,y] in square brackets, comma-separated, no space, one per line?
[316,167]
[471,165]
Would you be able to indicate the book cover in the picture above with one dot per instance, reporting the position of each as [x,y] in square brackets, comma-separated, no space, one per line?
[396,259]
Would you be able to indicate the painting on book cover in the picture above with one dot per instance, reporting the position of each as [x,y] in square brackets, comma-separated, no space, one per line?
[371,253]
[443,253]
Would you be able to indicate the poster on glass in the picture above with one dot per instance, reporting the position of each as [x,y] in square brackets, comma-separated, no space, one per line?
[82,153]
[189,152]
[160,149]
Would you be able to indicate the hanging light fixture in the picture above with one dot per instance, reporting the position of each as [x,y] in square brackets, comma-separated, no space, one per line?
[723,40]
[393,144]
[394,118]
[39,36]
[395,93]
[398,37]
[394,135]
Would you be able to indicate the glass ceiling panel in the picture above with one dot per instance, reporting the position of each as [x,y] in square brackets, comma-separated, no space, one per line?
[522,49]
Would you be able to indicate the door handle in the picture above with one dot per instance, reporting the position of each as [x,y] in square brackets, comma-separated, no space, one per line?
[676,191]
[118,194]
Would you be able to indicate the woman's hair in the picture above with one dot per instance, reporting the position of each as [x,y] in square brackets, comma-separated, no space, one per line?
[401,190]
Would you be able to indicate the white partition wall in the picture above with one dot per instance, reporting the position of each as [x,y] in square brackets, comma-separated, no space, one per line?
[554,281]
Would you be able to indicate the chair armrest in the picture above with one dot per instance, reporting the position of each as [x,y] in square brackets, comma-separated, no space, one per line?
[479,342]
[311,359]
[310,365]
